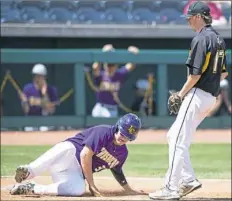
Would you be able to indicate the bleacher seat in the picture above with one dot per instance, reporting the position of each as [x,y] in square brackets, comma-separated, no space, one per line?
[88,15]
[98,12]
[34,11]
[9,12]
[171,16]
[178,5]
[62,11]
[116,11]
[88,4]
[60,15]
[143,4]
[112,4]
[144,16]
[88,12]
[116,15]
[144,12]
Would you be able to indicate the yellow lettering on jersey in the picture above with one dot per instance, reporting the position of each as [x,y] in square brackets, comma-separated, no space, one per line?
[108,158]
[206,64]
[109,86]
[103,152]
[34,101]
[115,162]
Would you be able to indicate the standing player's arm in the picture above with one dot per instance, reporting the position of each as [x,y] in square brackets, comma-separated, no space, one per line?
[197,63]
[191,81]
[130,66]
[134,50]
[86,164]
[96,69]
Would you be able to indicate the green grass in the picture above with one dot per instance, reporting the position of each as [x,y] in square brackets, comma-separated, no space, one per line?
[209,160]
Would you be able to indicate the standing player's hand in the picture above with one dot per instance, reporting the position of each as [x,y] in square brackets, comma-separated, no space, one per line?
[133,49]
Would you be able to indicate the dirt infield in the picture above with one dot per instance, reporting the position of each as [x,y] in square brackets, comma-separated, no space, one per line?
[212,189]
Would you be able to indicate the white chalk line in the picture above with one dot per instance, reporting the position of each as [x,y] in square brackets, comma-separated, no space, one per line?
[7,188]
[133,178]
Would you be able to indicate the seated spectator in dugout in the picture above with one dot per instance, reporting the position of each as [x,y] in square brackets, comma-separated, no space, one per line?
[141,104]
[39,98]
[223,102]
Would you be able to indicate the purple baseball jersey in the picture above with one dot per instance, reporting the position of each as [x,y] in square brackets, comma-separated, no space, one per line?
[31,91]
[100,138]
[108,83]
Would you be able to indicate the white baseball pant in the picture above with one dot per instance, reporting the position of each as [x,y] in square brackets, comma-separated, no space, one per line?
[193,111]
[64,168]
[104,110]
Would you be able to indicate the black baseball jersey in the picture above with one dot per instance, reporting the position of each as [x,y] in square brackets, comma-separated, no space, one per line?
[207,57]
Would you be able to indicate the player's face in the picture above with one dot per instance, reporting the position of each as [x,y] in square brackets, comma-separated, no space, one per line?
[196,22]
[120,139]
[111,68]
[192,22]
[40,80]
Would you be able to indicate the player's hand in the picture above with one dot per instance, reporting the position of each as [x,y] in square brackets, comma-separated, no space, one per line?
[23,97]
[95,192]
[44,89]
[230,109]
[96,66]
[49,105]
[133,49]
[108,48]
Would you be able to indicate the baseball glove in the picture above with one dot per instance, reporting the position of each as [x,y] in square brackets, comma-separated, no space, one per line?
[174,103]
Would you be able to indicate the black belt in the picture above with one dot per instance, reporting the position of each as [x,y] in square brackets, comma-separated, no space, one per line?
[109,106]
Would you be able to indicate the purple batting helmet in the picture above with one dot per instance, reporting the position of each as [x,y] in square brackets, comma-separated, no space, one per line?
[129,126]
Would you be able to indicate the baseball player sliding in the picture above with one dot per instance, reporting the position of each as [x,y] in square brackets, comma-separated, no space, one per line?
[74,160]
[109,80]
[206,66]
